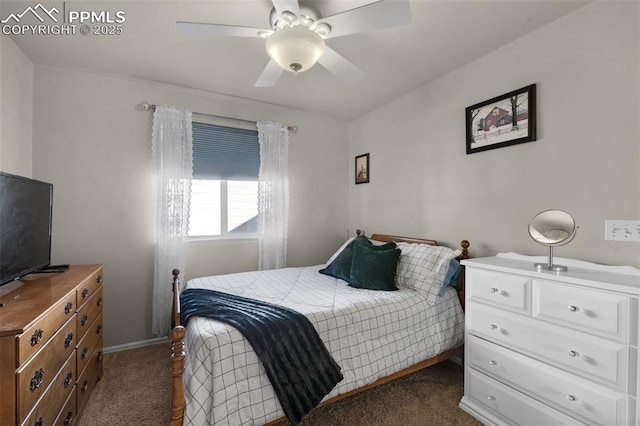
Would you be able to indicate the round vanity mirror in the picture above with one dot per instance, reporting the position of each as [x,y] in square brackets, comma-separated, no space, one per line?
[552,228]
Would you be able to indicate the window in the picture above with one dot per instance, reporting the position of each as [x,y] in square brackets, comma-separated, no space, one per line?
[224,189]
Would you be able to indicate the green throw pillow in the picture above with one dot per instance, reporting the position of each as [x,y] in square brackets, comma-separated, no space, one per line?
[374,267]
[341,265]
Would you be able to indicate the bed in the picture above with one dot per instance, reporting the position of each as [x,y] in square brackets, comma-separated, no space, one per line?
[375,336]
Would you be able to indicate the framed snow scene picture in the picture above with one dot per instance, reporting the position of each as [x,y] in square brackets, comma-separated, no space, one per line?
[505,120]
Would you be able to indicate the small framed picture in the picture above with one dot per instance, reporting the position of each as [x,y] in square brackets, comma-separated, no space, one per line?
[505,120]
[362,168]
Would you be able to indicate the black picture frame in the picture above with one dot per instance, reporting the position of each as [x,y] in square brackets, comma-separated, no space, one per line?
[491,124]
[362,170]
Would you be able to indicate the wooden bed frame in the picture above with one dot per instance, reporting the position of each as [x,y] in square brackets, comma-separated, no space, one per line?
[178,333]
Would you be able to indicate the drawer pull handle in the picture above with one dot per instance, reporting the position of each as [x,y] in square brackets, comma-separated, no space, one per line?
[573,354]
[37,336]
[68,307]
[99,301]
[99,329]
[69,340]
[84,320]
[67,380]
[493,362]
[491,397]
[99,279]
[571,398]
[495,327]
[39,422]
[573,308]
[84,353]
[84,293]
[69,419]
[36,381]
[99,357]
[495,290]
[84,387]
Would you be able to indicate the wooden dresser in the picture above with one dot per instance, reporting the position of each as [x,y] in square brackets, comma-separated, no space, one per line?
[51,347]
[545,348]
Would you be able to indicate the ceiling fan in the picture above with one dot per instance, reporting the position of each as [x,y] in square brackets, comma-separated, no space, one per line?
[296,39]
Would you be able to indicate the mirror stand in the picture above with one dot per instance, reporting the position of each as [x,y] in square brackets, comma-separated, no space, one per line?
[549,266]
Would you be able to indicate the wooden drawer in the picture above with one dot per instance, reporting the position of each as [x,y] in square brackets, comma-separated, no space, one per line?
[89,312]
[38,373]
[51,402]
[512,407]
[38,334]
[89,286]
[88,344]
[89,377]
[579,398]
[68,414]
[588,356]
[506,291]
[593,311]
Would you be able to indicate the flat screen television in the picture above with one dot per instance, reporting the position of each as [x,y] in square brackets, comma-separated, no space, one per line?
[26,207]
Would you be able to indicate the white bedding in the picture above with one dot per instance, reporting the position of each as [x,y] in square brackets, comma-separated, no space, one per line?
[370,334]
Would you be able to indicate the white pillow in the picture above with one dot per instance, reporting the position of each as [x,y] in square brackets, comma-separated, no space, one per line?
[423,268]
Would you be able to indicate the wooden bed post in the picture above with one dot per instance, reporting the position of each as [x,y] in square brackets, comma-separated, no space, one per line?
[177,356]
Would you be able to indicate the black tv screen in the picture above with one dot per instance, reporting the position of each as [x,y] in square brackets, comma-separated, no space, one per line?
[25,226]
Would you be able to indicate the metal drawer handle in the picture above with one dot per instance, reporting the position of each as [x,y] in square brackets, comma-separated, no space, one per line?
[573,354]
[99,329]
[99,279]
[493,362]
[39,422]
[84,320]
[491,397]
[99,301]
[571,398]
[36,381]
[495,327]
[67,380]
[84,293]
[573,308]
[69,419]
[99,356]
[68,307]
[37,336]
[84,353]
[84,387]
[69,340]
[495,290]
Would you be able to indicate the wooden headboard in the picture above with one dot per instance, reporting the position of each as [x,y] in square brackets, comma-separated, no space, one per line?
[464,245]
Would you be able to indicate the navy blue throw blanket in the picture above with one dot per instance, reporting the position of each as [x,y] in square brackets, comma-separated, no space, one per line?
[297,363]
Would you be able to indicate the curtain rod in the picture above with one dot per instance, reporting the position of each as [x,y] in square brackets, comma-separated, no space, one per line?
[147,106]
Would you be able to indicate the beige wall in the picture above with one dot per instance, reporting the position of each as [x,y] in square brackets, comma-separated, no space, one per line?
[586,159]
[16,109]
[93,143]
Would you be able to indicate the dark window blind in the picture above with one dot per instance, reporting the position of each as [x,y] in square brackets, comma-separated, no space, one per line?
[225,153]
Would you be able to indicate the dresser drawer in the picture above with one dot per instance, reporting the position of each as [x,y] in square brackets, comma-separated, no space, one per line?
[89,311]
[503,290]
[68,414]
[89,286]
[513,407]
[593,311]
[89,343]
[37,334]
[89,377]
[589,402]
[51,402]
[39,372]
[589,356]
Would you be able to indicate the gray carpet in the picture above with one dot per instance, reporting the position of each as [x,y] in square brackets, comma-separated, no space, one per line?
[136,390]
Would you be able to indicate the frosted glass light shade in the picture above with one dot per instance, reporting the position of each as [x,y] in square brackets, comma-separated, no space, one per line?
[295,49]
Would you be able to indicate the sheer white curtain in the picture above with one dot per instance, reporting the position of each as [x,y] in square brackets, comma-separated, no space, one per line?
[273,194]
[172,166]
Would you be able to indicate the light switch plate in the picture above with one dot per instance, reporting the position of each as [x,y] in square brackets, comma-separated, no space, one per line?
[622,230]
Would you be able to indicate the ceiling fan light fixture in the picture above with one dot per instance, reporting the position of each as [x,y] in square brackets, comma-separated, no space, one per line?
[295,49]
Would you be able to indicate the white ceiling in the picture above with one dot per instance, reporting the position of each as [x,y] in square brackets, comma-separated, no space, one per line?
[443,35]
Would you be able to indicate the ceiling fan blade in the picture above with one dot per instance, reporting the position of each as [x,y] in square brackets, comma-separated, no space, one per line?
[270,75]
[370,17]
[290,5]
[218,30]
[339,66]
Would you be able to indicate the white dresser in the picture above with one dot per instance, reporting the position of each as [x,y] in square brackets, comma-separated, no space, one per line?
[547,348]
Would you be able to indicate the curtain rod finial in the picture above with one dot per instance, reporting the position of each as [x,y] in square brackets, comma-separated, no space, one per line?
[147,106]
[292,129]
